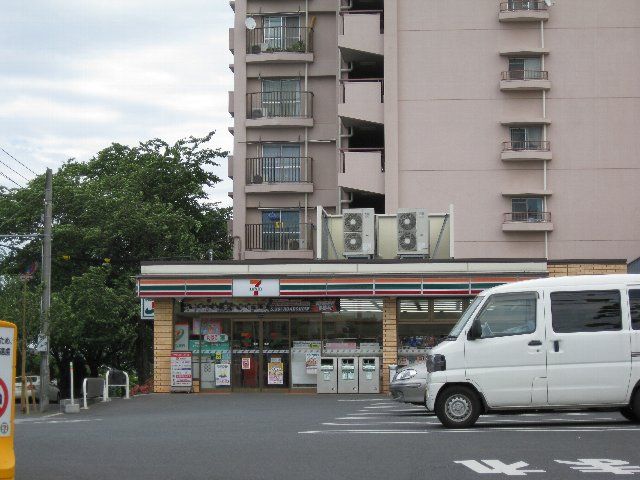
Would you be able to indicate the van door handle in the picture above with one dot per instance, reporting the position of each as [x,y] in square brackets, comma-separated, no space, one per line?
[556,346]
[535,343]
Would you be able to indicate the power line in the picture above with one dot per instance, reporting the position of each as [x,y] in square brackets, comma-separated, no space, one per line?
[18,161]
[11,180]
[17,173]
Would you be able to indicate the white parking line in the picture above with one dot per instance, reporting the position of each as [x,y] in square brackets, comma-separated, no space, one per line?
[362,400]
[585,429]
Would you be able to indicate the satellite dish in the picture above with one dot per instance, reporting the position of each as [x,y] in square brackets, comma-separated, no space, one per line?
[548,2]
[250,22]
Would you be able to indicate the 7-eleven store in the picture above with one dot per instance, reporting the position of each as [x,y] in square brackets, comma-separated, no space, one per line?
[262,326]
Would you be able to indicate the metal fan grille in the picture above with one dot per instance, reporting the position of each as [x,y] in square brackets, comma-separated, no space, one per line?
[407,242]
[352,242]
[407,221]
[353,222]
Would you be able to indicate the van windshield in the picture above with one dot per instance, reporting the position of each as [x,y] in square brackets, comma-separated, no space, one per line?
[453,334]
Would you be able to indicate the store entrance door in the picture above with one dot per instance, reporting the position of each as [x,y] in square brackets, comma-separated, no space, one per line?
[261,355]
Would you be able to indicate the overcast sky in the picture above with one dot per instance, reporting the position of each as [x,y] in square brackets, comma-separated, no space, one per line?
[77,75]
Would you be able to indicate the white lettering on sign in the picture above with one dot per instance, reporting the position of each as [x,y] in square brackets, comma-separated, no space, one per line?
[602,465]
[498,467]
[6,380]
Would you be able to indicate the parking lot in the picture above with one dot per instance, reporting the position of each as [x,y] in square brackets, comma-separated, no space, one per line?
[264,436]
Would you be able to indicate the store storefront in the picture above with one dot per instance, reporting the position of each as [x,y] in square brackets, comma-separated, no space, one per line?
[269,333]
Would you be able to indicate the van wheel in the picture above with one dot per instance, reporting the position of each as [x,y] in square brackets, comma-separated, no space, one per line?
[629,414]
[458,407]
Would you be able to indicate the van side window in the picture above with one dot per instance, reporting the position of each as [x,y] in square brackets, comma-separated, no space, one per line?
[508,314]
[586,311]
[634,303]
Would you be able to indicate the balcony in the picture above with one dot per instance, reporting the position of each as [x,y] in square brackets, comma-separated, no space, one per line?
[279,175]
[279,241]
[362,100]
[362,32]
[280,109]
[362,170]
[527,222]
[230,106]
[525,150]
[523,11]
[525,80]
[280,45]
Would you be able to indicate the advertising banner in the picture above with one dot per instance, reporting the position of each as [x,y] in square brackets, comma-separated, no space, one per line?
[146,309]
[275,373]
[181,375]
[257,305]
[181,337]
[311,362]
[8,337]
[223,374]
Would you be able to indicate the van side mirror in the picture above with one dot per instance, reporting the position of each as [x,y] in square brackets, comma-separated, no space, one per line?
[475,331]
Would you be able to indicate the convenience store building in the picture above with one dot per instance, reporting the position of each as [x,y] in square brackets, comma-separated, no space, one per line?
[263,325]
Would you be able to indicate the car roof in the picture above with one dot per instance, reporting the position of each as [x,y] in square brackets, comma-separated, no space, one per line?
[573,281]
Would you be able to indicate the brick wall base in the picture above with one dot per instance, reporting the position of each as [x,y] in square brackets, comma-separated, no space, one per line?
[570,269]
[389,339]
[162,344]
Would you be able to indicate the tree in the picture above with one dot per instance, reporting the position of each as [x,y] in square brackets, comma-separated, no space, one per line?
[124,206]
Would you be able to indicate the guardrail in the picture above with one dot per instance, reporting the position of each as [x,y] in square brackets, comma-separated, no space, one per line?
[282,236]
[278,170]
[280,39]
[525,75]
[344,81]
[279,104]
[518,5]
[115,379]
[92,387]
[364,150]
[532,217]
[363,12]
[518,145]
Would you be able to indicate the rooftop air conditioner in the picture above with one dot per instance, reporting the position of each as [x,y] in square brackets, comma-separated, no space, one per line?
[358,232]
[413,232]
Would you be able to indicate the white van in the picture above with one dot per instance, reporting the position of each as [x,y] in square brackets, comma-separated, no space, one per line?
[553,343]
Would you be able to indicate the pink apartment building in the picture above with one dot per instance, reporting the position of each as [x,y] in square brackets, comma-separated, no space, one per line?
[519,114]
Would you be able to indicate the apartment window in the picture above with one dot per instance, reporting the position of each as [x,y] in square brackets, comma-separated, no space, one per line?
[526,138]
[280,230]
[283,33]
[527,68]
[586,311]
[527,209]
[281,162]
[281,97]
[524,5]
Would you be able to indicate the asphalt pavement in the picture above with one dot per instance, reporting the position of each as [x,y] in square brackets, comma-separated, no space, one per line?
[293,436]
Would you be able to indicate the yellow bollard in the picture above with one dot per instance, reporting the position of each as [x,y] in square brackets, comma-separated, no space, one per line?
[8,338]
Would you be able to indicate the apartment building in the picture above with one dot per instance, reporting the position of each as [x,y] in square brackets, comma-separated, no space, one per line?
[519,113]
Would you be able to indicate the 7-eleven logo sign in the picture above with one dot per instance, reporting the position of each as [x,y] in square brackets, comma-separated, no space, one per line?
[255,287]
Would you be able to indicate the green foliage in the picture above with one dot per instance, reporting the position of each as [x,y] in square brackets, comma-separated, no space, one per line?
[124,206]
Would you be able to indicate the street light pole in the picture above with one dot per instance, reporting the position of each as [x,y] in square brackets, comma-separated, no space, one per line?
[46,292]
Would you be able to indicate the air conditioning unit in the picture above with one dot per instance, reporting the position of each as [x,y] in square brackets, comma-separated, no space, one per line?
[358,227]
[257,179]
[413,232]
[293,244]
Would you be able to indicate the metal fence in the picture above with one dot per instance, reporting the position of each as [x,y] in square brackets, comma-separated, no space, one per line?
[279,170]
[280,39]
[527,217]
[517,5]
[279,236]
[525,75]
[538,145]
[279,104]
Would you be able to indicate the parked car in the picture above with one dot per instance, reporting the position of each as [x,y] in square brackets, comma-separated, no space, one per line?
[33,388]
[549,344]
[409,384]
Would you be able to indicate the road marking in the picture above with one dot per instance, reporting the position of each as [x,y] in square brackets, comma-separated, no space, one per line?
[362,400]
[377,423]
[365,431]
[474,430]
[41,421]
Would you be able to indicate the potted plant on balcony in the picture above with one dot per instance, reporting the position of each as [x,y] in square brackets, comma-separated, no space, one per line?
[298,47]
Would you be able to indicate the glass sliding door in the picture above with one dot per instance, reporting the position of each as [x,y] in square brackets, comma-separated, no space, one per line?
[281,163]
[246,355]
[275,354]
[281,97]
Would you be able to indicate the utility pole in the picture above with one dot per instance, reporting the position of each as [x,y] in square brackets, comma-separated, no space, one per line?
[46,292]
[24,403]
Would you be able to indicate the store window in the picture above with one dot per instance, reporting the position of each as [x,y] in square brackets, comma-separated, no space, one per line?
[306,349]
[356,327]
[423,323]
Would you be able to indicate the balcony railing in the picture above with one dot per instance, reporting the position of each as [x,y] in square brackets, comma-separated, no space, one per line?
[280,39]
[279,104]
[525,75]
[363,12]
[279,170]
[279,236]
[519,145]
[530,217]
[367,81]
[519,5]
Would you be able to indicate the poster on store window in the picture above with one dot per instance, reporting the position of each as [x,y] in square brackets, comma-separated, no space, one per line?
[275,371]
[246,363]
[181,336]
[312,360]
[223,374]
[181,375]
